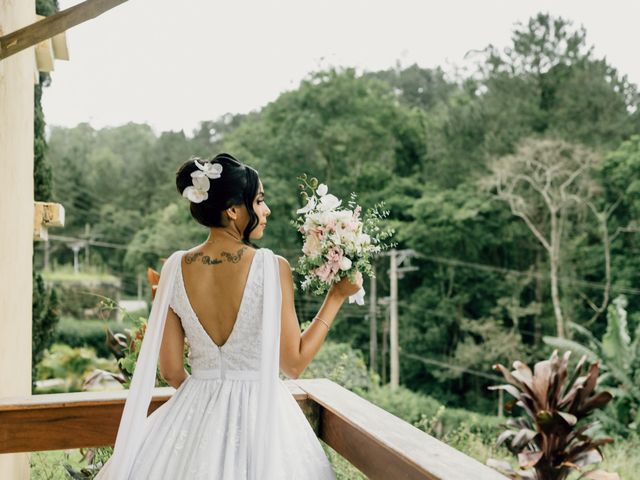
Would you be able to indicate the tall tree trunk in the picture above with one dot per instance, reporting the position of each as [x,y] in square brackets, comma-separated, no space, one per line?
[539,295]
[554,256]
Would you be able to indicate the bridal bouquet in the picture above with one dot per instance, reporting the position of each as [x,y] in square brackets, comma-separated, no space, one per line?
[338,241]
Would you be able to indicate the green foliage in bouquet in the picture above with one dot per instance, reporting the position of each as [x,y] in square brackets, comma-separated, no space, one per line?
[342,232]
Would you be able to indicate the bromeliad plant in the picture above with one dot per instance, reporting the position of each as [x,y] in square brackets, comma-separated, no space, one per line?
[552,439]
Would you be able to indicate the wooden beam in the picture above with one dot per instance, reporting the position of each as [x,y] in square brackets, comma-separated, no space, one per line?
[383,446]
[59,421]
[53,25]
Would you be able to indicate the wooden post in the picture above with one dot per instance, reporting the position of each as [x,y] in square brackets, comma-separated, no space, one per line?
[16,212]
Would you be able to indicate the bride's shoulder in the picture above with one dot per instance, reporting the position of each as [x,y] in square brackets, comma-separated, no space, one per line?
[174,257]
[282,261]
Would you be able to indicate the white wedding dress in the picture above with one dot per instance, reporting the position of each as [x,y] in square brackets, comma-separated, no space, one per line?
[212,425]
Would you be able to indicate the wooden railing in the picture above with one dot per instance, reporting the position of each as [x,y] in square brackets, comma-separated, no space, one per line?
[378,443]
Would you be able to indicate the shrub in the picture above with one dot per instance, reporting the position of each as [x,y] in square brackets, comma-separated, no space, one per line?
[340,363]
[87,333]
[72,365]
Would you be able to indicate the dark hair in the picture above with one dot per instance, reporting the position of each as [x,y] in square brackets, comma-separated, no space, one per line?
[238,183]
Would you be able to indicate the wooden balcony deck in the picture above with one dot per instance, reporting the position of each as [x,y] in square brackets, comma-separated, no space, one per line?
[379,444]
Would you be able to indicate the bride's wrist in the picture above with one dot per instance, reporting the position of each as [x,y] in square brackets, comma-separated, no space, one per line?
[336,296]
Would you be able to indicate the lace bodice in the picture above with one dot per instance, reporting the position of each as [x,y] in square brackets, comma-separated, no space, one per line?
[241,351]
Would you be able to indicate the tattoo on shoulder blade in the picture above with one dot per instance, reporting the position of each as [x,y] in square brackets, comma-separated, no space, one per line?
[190,258]
[234,258]
[207,260]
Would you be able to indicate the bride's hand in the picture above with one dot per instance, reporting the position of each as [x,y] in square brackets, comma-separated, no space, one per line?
[344,288]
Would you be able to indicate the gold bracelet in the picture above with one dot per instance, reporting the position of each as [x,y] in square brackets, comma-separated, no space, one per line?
[326,324]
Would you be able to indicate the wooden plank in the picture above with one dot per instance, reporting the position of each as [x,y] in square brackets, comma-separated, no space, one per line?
[64,423]
[44,56]
[382,445]
[52,25]
[60,49]
[83,419]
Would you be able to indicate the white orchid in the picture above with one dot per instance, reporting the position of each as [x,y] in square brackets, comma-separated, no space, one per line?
[311,204]
[329,202]
[195,195]
[322,190]
[198,192]
[200,182]
[210,170]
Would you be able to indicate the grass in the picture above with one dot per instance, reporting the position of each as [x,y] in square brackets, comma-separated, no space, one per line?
[66,273]
[50,465]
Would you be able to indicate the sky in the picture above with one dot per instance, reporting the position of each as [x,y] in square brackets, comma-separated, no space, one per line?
[174,63]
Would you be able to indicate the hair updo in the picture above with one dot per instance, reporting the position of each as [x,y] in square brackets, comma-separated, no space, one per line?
[238,184]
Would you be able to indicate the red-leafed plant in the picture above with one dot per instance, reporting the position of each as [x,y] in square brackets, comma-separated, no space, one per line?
[551,440]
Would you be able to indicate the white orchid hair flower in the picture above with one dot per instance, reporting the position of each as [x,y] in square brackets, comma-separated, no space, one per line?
[211,170]
[199,191]
[195,195]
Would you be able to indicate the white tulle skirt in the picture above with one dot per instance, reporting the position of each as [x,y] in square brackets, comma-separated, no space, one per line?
[206,431]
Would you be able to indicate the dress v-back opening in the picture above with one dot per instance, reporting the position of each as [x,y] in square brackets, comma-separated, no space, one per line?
[242,302]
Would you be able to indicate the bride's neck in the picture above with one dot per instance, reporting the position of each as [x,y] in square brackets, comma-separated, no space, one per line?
[223,236]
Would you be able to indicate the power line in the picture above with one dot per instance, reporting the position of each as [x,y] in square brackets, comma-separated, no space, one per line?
[435,259]
[539,275]
[438,363]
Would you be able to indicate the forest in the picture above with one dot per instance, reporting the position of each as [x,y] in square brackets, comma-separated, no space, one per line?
[516,183]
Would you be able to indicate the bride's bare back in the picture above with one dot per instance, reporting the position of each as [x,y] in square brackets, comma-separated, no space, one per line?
[215,277]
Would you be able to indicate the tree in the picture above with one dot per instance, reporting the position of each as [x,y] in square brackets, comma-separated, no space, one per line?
[541,183]
[548,81]
[44,314]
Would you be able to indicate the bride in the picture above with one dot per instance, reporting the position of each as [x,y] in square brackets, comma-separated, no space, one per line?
[232,417]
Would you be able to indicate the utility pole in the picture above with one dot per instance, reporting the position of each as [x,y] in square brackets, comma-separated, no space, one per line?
[76,246]
[88,237]
[373,328]
[385,350]
[393,318]
[397,257]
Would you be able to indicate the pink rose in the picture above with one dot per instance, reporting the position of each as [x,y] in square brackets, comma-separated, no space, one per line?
[325,273]
[334,257]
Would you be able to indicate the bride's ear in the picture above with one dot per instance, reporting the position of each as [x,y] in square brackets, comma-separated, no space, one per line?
[232,213]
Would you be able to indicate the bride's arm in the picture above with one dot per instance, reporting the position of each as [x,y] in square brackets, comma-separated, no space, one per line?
[172,351]
[296,349]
